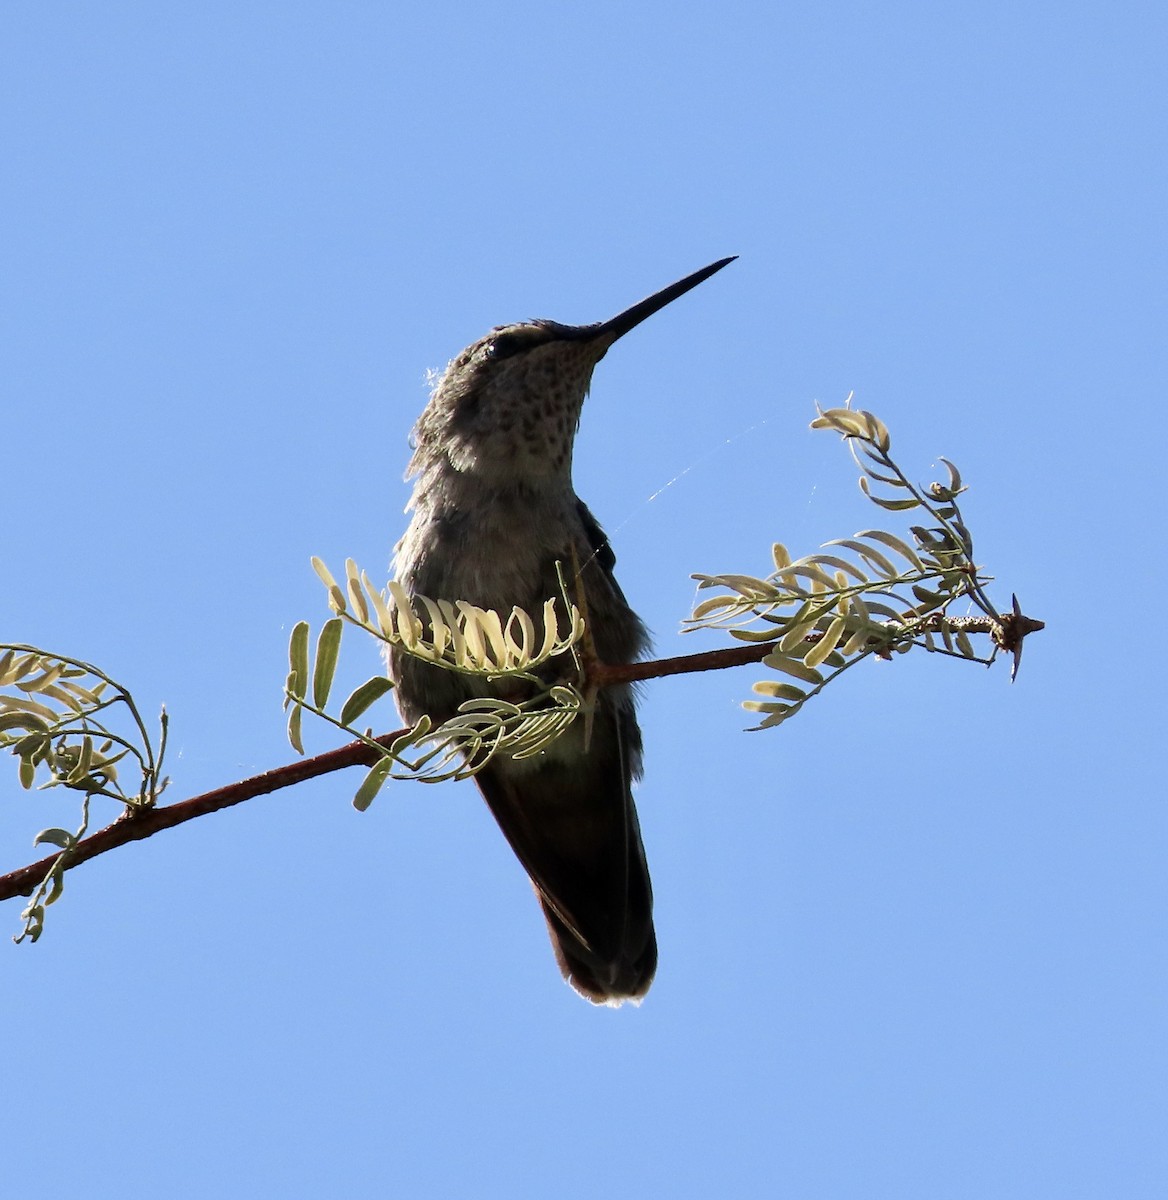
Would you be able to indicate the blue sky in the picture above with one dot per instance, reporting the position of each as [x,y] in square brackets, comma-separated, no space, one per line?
[912,943]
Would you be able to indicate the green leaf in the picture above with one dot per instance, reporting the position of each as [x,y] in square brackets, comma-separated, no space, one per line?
[843,420]
[298,660]
[34,922]
[778,717]
[894,505]
[372,784]
[793,666]
[893,543]
[755,635]
[356,594]
[839,564]
[54,837]
[336,596]
[22,720]
[928,599]
[56,887]
[871,556]
[716,604]
[50,673]
[367,694]
[778,690]
[328,649]
[955,484]
[295,718]
[20,704]
[820,651]
[84,762]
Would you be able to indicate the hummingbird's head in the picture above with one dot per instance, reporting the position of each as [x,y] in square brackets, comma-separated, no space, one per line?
[507,407]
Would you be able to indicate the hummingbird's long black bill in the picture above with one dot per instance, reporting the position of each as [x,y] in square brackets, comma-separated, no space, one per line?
[619,325]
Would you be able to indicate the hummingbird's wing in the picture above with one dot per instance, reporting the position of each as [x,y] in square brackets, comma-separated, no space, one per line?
[570,818]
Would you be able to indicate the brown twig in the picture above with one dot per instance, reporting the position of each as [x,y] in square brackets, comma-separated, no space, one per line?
[134,825]
[604,675]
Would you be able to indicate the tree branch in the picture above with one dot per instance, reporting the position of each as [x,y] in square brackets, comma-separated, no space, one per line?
[604,675]
[135,824]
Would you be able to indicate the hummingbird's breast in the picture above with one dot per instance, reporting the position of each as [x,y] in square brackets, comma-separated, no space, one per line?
[502,549]
[495,550]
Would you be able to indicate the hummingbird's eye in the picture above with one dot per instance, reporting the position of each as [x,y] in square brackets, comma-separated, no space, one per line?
[503,346]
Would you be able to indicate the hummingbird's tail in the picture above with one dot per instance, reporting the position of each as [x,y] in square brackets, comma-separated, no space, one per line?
[570,818]
[603,979]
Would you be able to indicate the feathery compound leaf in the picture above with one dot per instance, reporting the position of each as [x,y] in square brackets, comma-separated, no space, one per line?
[364,697]
[842,616]
[328,648]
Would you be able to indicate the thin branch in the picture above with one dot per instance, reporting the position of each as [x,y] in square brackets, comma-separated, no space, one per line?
[606,675]
[134,825]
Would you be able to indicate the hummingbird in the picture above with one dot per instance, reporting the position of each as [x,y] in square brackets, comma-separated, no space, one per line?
[494,512]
